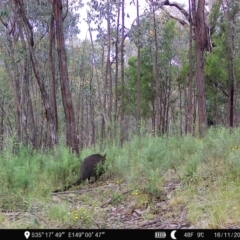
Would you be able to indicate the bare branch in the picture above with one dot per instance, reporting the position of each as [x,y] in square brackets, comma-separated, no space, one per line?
[182,22]
[65,15]
[173,4]
[4,23]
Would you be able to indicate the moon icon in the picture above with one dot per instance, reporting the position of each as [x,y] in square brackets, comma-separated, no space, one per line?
[173,234]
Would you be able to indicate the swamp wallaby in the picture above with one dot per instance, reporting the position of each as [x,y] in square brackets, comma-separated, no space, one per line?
[92,166]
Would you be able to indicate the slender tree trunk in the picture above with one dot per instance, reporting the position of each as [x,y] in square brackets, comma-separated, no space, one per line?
[92,110]
[81,126]
[72,140]
[230,63]
[53,97]
[157,83]
[108,65]
[138,72]
[180,109]
[30,130]
[189,119]
[122,130]
[116,73]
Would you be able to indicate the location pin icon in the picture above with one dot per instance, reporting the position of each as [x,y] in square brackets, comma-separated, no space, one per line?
[27,234]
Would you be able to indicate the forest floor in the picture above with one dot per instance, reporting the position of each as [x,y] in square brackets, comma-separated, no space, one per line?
[112,206]
[115,205]
[164,183]
[128,209]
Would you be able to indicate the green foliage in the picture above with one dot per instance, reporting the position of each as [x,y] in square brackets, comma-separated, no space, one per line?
[117,198]
[166,38]
[217,65]
[60,213]
[145,164]
[147,84]
[166,42]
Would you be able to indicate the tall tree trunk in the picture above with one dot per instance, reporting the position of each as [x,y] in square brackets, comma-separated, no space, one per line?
[53,97]
[230,62]
[200,38]
[108,65]
[157,83]
[122,130]
[92,115]
[189,120]
[138,72]
[72,140]
[116,72]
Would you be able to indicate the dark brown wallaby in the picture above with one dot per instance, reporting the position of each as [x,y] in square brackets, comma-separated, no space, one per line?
[92,166]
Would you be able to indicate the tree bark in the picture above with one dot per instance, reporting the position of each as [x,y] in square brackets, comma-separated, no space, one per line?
[72,140]
[189,119]
[230,62]
[200,38]
[52,60]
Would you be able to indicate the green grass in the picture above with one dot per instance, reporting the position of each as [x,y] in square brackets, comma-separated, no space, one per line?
[207,172]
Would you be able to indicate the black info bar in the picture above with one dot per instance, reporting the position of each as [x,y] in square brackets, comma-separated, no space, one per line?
[147,234]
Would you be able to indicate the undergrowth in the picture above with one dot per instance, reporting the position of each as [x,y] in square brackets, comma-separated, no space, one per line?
[207,169]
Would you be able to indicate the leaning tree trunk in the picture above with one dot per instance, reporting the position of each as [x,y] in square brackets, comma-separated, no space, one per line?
[52,137]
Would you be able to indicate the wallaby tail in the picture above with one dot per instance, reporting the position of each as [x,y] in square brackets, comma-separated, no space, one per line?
[62,189]
[69,186]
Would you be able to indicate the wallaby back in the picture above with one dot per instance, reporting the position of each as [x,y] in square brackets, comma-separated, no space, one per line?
[92,166]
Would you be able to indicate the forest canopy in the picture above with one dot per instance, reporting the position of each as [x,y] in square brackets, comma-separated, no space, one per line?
[173,71]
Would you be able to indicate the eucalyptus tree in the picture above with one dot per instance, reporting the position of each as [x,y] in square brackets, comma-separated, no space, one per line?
[158,66]
[222,71]
[106,18]
[6,116]
[202,38]
[147,102]
[18,68]
[29,29]
[71,137]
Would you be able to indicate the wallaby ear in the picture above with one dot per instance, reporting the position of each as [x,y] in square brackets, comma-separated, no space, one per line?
[104,155]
